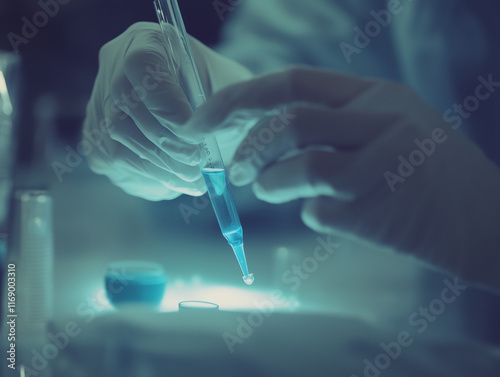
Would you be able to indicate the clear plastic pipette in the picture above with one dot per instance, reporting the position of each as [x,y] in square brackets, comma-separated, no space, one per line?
[181,60]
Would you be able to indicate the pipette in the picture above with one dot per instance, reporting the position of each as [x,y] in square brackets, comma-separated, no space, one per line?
[180,59]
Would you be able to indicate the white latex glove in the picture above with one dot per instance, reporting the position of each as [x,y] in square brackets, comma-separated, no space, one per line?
[348,135]
[136,107]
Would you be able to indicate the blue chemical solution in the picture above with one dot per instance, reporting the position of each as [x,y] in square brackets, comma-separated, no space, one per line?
[135,282]
[144,292]
[227,216]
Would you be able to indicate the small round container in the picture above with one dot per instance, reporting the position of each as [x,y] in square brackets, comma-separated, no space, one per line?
[197,306]
[131,281]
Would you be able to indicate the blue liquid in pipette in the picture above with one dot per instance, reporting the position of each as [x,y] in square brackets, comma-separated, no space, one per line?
[225,210]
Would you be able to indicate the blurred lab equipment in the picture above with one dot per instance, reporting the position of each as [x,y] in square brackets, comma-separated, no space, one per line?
[32,255]
[8,64]
[213,169]
[135,282]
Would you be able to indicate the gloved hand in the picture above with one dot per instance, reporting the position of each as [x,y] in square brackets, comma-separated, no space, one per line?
[372,161]
[136,108]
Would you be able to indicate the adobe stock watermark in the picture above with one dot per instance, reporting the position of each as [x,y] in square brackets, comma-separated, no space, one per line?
[454,116]
[310,264]
[294,277]
[254,143]
[363,37]
[258,139]
[222,7]
[419,320]
[30,28]
[245,327]
[94,137]
[58,341]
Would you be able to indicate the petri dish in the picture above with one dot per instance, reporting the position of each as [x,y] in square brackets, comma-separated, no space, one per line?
[135,281]
[197,306]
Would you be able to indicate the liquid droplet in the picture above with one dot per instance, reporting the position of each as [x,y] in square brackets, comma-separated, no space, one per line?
[248,279]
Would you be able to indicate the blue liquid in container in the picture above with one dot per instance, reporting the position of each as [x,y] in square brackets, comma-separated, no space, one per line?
[120,291]
[135,282]
[227,216]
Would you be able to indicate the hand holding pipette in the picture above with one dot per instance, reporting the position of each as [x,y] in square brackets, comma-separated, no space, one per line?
[181,58]
[147,87]
[137,104]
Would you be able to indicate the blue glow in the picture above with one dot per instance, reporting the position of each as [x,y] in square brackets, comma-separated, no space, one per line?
[227,216]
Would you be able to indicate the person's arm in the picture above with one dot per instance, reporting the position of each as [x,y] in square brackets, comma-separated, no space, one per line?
[267,35]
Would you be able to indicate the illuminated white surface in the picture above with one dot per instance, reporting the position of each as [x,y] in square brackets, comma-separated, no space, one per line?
[230,298]
[227,297]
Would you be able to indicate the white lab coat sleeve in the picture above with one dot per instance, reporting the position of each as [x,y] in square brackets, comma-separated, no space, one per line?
[267,35]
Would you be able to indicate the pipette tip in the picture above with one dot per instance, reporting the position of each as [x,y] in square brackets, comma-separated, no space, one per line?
[248,279]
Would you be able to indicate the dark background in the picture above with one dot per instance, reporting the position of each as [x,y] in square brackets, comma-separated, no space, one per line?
[59,63]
